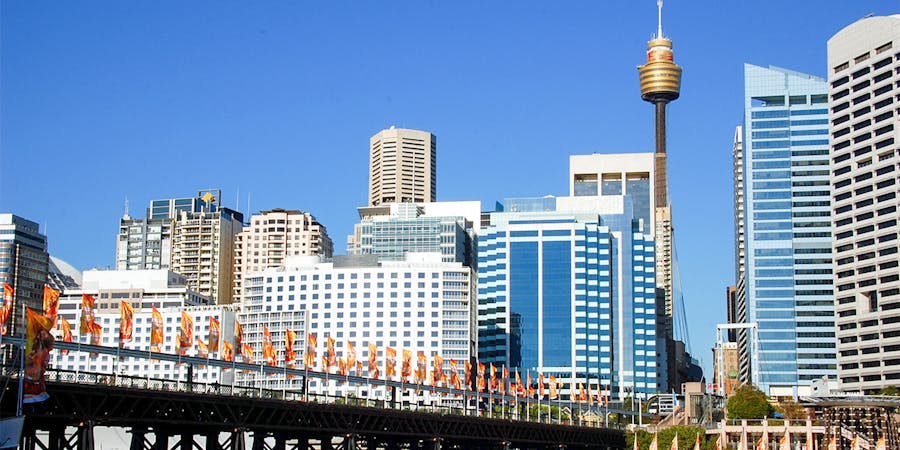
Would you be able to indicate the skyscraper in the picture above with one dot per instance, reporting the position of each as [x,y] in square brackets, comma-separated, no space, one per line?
[787,230]
[864,77]
[23,263]
[190,236]
[565,287]
[271,237]
[402,167]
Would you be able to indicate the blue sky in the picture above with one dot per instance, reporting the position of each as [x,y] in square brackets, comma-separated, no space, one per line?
[100,101]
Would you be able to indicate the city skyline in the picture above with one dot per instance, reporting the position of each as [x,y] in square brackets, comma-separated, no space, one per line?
[113,125]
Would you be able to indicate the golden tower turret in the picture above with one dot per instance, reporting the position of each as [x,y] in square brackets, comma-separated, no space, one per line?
[660,84]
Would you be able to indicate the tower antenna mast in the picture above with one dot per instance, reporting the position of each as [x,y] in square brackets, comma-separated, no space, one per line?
[659,34]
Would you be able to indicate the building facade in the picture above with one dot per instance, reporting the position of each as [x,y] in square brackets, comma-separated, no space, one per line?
[191,236]
[271,237]
[143,290]
[24,263]
[391,231]
[864,78]
[420,304]
[402,167]
[788,274]
[566,287]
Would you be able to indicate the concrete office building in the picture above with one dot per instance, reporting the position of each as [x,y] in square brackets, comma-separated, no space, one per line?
[23,263]
[271,237]
[391,231]
[788,290]
[142,289]
[402,167]
[566,287]
[420,303]
[864,81]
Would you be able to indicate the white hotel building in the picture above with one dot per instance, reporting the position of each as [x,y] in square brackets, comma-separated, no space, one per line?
[420,304]
[143,289]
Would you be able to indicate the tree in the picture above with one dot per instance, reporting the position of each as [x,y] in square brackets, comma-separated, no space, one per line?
[792,410]
[748,402]
[889,390]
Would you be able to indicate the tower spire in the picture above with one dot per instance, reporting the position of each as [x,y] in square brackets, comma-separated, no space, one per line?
[126,216]
[659,34]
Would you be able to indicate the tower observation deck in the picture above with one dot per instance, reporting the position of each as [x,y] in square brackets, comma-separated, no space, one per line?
[660,84]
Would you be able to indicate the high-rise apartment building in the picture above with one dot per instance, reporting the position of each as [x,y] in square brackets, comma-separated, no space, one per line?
[864,81]
[566,287]
[23,262]
[191,236]
[271,237]
[788,287]
[402,167]
[392,231]
[419,304]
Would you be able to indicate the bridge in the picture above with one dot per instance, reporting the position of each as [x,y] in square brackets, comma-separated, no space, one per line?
[186,415]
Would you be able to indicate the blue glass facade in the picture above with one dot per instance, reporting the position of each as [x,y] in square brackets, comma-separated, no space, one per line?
[787,225]
[551,298]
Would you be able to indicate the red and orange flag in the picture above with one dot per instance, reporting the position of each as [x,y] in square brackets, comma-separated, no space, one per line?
[480,381]
[437,373]
[582,397]
[553,392]
[454,375]
[186,333]
[126,323]
[96,336]
[202,349]
[156,330]
[529,386]
[87,313]
[421,368]
[351,355]
[247,353]
[239,337]
[540,386]
[66,331]
[268,348]
[373,360]
[227,351]
[51,304]
[310,356]
[520,389]
[38,344]
[406,368]
[390,362]
[215,330]
[332,356]
[290,356]
[6,308]
[467,373]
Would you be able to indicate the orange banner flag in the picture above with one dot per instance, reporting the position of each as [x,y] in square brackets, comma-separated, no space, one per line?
[467,374]
[96,336]
[406,368]
[126,323]
[581,395]
[227,351]
[503,381]
[268,348]
[480,382]
[202,349]
[421,368]
[215,330]
[87,313]
[156,330]
[186,335]
[373,360]
[454,375]
[351,356]
[390,362]
[310,356]
[530,387]
[553,392]
[332,356]
[247,353]
[66,330]
[6,308]
[51,304]
[540,386]
[38,344]
[437,373]
[238,337]
[290,357]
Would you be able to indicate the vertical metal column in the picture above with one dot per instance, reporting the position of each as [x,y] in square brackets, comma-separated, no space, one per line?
[85,437]
[138,438]
[212,440]
[162,439]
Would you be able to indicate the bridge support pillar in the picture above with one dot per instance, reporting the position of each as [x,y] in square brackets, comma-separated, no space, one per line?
[259,440]
[57,437]
[85,438]
[212,440]
[235,441]
[138,438]
[186,442]
[280,441]
[162,439]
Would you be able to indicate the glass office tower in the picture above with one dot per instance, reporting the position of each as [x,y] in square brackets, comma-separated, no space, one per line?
[789,287]
[566,287]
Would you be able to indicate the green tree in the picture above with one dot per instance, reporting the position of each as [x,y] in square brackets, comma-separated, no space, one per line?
[792,410]
[889,390]
[748,402]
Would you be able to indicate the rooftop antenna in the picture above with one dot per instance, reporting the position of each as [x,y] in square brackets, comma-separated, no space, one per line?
[126,216]
[659,34]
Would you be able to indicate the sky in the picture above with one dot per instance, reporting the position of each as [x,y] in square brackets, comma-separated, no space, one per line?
[274,103]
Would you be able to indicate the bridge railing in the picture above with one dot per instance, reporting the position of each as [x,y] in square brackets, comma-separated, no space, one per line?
[444,400]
